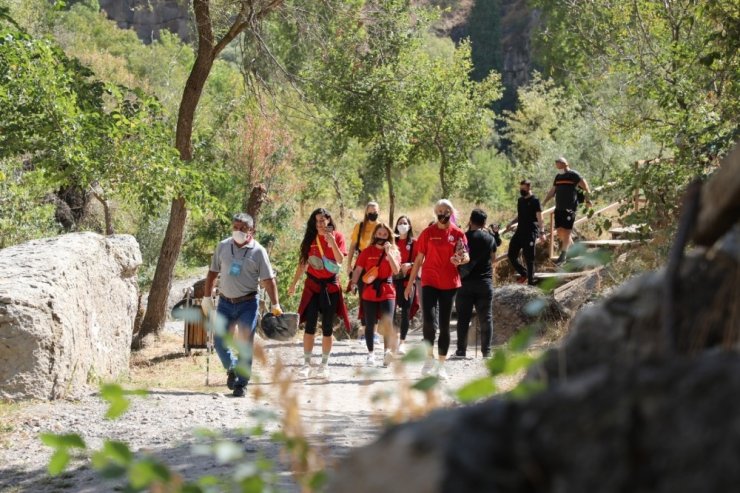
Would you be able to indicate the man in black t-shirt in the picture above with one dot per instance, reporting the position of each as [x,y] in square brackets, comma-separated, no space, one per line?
[529,227]
[477,284]
[564,189]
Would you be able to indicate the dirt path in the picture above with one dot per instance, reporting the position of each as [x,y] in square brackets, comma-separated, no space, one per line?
[338,414]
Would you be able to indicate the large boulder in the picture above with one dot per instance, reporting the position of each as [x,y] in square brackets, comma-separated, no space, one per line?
[67,309]
[516,306]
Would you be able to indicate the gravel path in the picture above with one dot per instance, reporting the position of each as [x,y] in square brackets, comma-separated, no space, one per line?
[338,414]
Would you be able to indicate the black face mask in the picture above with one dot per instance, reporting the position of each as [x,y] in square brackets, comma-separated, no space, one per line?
[372,216]
[443,218]
[380,241]
[524,193]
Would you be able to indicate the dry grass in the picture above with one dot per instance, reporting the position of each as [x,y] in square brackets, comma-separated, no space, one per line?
[165,365]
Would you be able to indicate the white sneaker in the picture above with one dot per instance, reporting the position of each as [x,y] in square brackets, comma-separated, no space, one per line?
[401,349]
[428,368]
[370,361]
[305,371]
[387,357]
[323,371]
[442,373]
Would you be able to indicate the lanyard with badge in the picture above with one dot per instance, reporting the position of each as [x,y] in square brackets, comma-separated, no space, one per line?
[236,265]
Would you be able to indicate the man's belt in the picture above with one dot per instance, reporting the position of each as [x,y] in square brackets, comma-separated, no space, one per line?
[240,299]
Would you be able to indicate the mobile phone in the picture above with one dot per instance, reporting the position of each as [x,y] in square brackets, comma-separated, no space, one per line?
[330,228]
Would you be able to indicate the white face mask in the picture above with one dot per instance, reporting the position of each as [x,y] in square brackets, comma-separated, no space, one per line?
[239,236]
[403,228]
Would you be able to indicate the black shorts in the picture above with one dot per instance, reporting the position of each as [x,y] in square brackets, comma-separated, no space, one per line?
[564,218]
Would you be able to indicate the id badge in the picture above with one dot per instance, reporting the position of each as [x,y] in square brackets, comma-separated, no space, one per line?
[235,269]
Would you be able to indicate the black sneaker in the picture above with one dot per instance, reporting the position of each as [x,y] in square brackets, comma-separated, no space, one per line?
[561,259]
[238,391]
[486,354]
[230,379]
[459,354]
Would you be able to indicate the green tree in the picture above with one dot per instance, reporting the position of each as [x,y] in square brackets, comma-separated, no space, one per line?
[676,67]
[76,131]
[451,111]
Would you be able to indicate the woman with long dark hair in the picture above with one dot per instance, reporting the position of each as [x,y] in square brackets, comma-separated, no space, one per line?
[321,254]
[442,247]
[406,246]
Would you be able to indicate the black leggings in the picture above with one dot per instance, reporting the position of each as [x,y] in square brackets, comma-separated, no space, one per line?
[405,306]
[371,309]
[525,244]
[328,313]
[430,298]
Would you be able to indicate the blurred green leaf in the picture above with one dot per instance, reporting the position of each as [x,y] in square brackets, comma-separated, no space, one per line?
[146,471]
[59,460]
[477,389]
[118,452]
[426,383]
[520,341]
[69,440]
[416,354]
[526,389]
[497,363]
[227,451]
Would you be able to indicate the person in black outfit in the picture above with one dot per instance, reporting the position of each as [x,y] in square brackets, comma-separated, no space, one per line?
[477,284]
[564,189]
[529,228]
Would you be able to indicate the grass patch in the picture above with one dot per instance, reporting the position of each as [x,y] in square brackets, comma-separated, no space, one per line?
[165,365]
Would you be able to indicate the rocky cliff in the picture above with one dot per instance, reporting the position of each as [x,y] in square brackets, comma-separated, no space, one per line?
[149,17]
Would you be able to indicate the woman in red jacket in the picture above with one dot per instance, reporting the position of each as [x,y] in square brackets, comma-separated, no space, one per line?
[440,249]
[377,264]
[406,244]
[321,255]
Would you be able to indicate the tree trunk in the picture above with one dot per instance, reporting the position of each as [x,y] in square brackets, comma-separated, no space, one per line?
[106,211]
[391,193]
[442,176]
[156,311]
[256,199]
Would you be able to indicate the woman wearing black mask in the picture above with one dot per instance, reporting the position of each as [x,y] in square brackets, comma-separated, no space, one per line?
[377,265]
[441,248]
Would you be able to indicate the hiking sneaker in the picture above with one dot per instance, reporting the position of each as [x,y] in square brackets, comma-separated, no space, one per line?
[460,354]
[486,354]
[305,371]
[323,371]
[238,391]
[428,368]
[401,349]
[370,360]
[442,373]
[561,259]
[230,379]
[387,357]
